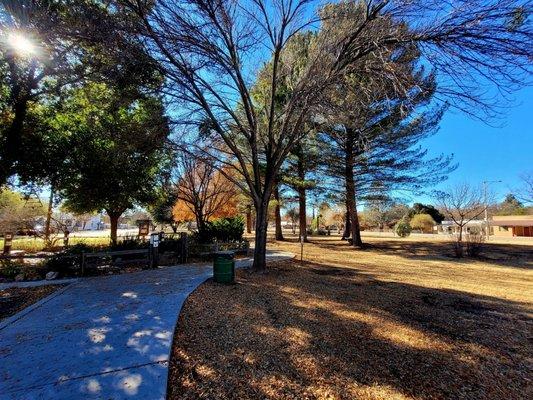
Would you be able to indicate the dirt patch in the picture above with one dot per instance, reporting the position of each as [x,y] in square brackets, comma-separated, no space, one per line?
[299,332]
[15,299]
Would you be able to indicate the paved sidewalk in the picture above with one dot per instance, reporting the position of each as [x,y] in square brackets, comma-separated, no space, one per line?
[100,338]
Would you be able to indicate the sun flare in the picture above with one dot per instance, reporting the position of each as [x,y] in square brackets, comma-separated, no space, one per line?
[21,44]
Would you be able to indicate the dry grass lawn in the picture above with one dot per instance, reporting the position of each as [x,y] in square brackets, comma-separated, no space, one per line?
[399,320]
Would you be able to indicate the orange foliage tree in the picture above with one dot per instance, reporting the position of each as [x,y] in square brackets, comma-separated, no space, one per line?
[204,193]
[182,212]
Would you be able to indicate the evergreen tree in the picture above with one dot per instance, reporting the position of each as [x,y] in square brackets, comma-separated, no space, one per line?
[372,133]
[298,173]
[419,208]
[511,206]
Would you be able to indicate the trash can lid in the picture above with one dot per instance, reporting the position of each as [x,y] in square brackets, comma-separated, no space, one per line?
[230,255]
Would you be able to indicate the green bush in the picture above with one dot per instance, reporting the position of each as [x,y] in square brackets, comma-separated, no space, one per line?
[131,243]
[223,230]
[9,269]
[402,228]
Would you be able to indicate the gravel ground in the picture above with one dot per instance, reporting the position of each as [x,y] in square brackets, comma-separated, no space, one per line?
[15,299]
[315,331]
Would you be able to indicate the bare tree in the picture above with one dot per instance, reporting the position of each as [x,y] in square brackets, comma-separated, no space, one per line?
[293,216]
[462,204]
[210,50]
[204,190]
[525,193]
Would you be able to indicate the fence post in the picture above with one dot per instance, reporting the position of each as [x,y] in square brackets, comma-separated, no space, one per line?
[8,237]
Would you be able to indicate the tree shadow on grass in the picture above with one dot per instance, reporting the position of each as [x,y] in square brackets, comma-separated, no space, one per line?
[315,331]
[504,255]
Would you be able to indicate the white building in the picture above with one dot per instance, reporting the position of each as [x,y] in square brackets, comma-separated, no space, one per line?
[449,227]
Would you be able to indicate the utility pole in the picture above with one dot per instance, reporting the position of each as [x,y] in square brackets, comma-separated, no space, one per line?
[487,227]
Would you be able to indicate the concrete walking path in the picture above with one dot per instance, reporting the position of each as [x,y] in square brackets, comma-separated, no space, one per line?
[99,338]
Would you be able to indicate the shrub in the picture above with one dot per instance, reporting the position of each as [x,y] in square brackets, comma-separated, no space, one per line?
[402,228]
[9,268]
[223,230]
[474,244]
[423,222]
[68,262]
[457,248]
[131,243]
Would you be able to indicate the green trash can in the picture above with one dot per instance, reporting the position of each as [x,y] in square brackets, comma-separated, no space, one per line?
[224,267]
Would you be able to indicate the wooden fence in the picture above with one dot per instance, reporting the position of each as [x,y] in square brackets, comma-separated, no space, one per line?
[114,258]
[171,253]
[206,250]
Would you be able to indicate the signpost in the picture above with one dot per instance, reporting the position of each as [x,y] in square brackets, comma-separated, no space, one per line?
[8,242]
[144,227]
[65,237]
[154,250]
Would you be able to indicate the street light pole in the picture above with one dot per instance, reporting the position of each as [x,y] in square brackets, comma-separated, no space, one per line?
[487,227]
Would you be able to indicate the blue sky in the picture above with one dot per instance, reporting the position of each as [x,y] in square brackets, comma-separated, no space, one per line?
[486,152]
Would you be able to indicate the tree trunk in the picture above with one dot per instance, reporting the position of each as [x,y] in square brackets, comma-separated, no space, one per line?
[351,207]
[459,244]
[279,231]
[249,218]
[302,214]
[261,224]
[356,229]
[202,234]
[201,224]
[347,226]
[47,225]
[113,220]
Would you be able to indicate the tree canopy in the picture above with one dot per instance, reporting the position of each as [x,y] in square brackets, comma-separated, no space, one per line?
[116,152]
[246,84]
[511,206]
[422,222]
[419,208]
[18,212]
[47,47]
